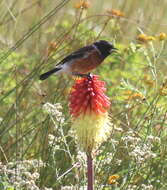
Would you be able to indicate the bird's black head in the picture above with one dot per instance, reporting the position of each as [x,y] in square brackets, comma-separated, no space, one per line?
[105,48]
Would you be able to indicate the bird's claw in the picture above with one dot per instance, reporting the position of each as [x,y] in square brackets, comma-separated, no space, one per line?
[88,75]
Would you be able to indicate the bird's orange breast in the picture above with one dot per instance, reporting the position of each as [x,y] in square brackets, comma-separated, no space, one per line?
[87,64]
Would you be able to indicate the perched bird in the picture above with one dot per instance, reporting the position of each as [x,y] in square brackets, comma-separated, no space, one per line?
[83,60]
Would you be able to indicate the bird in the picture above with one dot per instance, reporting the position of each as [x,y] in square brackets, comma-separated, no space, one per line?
[83,60]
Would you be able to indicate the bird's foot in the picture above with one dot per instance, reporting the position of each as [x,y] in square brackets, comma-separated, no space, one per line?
[88,75]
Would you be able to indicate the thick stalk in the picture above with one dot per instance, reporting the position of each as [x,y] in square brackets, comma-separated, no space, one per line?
[90,170]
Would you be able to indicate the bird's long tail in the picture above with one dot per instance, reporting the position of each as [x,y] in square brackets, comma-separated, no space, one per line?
[47,74]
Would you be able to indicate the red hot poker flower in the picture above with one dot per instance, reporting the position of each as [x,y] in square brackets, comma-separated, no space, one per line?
[88,96]
[88,106]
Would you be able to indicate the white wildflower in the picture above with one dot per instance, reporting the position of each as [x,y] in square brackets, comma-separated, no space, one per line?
[138,150]
[147,187]
[22,174]
[54,110]
[153,139]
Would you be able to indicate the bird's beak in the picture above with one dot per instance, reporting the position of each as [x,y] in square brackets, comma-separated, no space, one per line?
[113,50]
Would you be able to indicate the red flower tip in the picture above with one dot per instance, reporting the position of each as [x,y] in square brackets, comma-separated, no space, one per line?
[87,95]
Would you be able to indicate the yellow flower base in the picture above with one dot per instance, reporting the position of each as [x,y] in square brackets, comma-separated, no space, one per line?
[91,130]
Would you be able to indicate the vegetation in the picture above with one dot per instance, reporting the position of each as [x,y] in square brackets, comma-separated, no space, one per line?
[38,149]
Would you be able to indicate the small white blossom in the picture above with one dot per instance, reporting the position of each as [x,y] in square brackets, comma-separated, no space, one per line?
[147,187]
[140,152]
[22,174]
[153,139]
[54,110]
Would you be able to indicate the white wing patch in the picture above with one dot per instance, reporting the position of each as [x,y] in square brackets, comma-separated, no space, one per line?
[65,68]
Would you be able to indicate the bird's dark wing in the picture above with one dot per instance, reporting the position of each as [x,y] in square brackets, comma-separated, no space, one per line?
[79,54]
